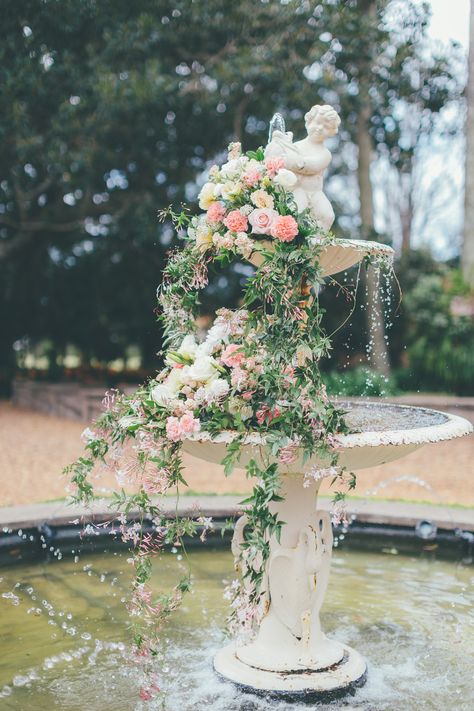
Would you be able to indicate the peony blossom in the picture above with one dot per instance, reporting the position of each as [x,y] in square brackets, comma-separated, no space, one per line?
[163,395]
[236,222]
[285,228]
[233,356]
[216,212]
[262,221]
[261,198]
[273,165]
[207,196]
[286,178]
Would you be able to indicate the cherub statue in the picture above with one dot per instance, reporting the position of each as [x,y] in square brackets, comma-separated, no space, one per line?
[308,159]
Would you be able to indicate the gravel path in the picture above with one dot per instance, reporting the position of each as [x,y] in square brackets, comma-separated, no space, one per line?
[34,448]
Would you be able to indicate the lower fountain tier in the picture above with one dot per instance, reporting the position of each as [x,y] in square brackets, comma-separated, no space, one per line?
[306,685]
[382,433]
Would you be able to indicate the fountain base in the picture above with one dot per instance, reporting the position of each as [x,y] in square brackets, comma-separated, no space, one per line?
[323,685]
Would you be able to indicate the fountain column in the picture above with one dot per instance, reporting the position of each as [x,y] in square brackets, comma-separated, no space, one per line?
[290,654]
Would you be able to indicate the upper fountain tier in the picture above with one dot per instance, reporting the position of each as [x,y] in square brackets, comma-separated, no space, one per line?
[337,256]
[307,160]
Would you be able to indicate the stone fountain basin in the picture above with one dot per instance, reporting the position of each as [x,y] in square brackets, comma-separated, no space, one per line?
[382,432]
[338,256]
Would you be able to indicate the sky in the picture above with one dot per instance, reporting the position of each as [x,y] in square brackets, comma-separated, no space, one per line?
[450,20]
[439,226]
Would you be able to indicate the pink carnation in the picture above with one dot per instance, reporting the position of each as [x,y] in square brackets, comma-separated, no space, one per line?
[232,356]
[173,430]
[177,429]
[236,222]
[189,424]
[251,177]
[285,228]
[216,212]
[262,220]
[273,165]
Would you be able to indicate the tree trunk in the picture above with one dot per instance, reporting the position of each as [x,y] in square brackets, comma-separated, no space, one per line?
[375,322]
[406,212]
[468,240]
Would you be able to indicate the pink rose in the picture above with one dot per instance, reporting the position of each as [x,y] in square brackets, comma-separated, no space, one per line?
[273,165]
[216,212]
[251,177]
[236,222]
[232,356]
[262,220]
[173,430]
[285,228]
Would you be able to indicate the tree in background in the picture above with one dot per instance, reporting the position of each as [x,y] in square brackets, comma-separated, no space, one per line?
[468,241]
[112,110]
[378,69]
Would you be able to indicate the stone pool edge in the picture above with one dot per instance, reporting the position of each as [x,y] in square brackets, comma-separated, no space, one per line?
[386,513]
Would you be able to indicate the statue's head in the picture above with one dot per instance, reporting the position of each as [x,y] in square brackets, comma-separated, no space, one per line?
[322,122]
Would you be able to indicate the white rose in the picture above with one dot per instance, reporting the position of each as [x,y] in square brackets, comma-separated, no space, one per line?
[207,196]
[286,178]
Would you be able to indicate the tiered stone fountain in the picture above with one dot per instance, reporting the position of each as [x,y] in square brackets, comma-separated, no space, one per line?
[290,655]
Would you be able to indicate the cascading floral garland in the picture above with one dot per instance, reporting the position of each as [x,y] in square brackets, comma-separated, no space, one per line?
[256,371]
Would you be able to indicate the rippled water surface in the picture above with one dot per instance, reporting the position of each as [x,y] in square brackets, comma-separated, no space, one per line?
[381,417]
[63,625]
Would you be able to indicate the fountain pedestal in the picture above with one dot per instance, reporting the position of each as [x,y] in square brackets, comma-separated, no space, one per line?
[291,655]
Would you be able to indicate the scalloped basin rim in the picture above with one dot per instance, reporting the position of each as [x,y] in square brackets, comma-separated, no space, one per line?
[452,426]
[337,255]
[358,450]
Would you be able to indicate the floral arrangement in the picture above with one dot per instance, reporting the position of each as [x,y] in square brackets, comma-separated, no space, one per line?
[256,372]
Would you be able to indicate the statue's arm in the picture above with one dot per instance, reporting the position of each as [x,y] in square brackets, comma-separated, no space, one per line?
[307,164]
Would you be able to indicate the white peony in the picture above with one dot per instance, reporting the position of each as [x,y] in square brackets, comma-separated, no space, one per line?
[163,395]
[216,389]
[286,178]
